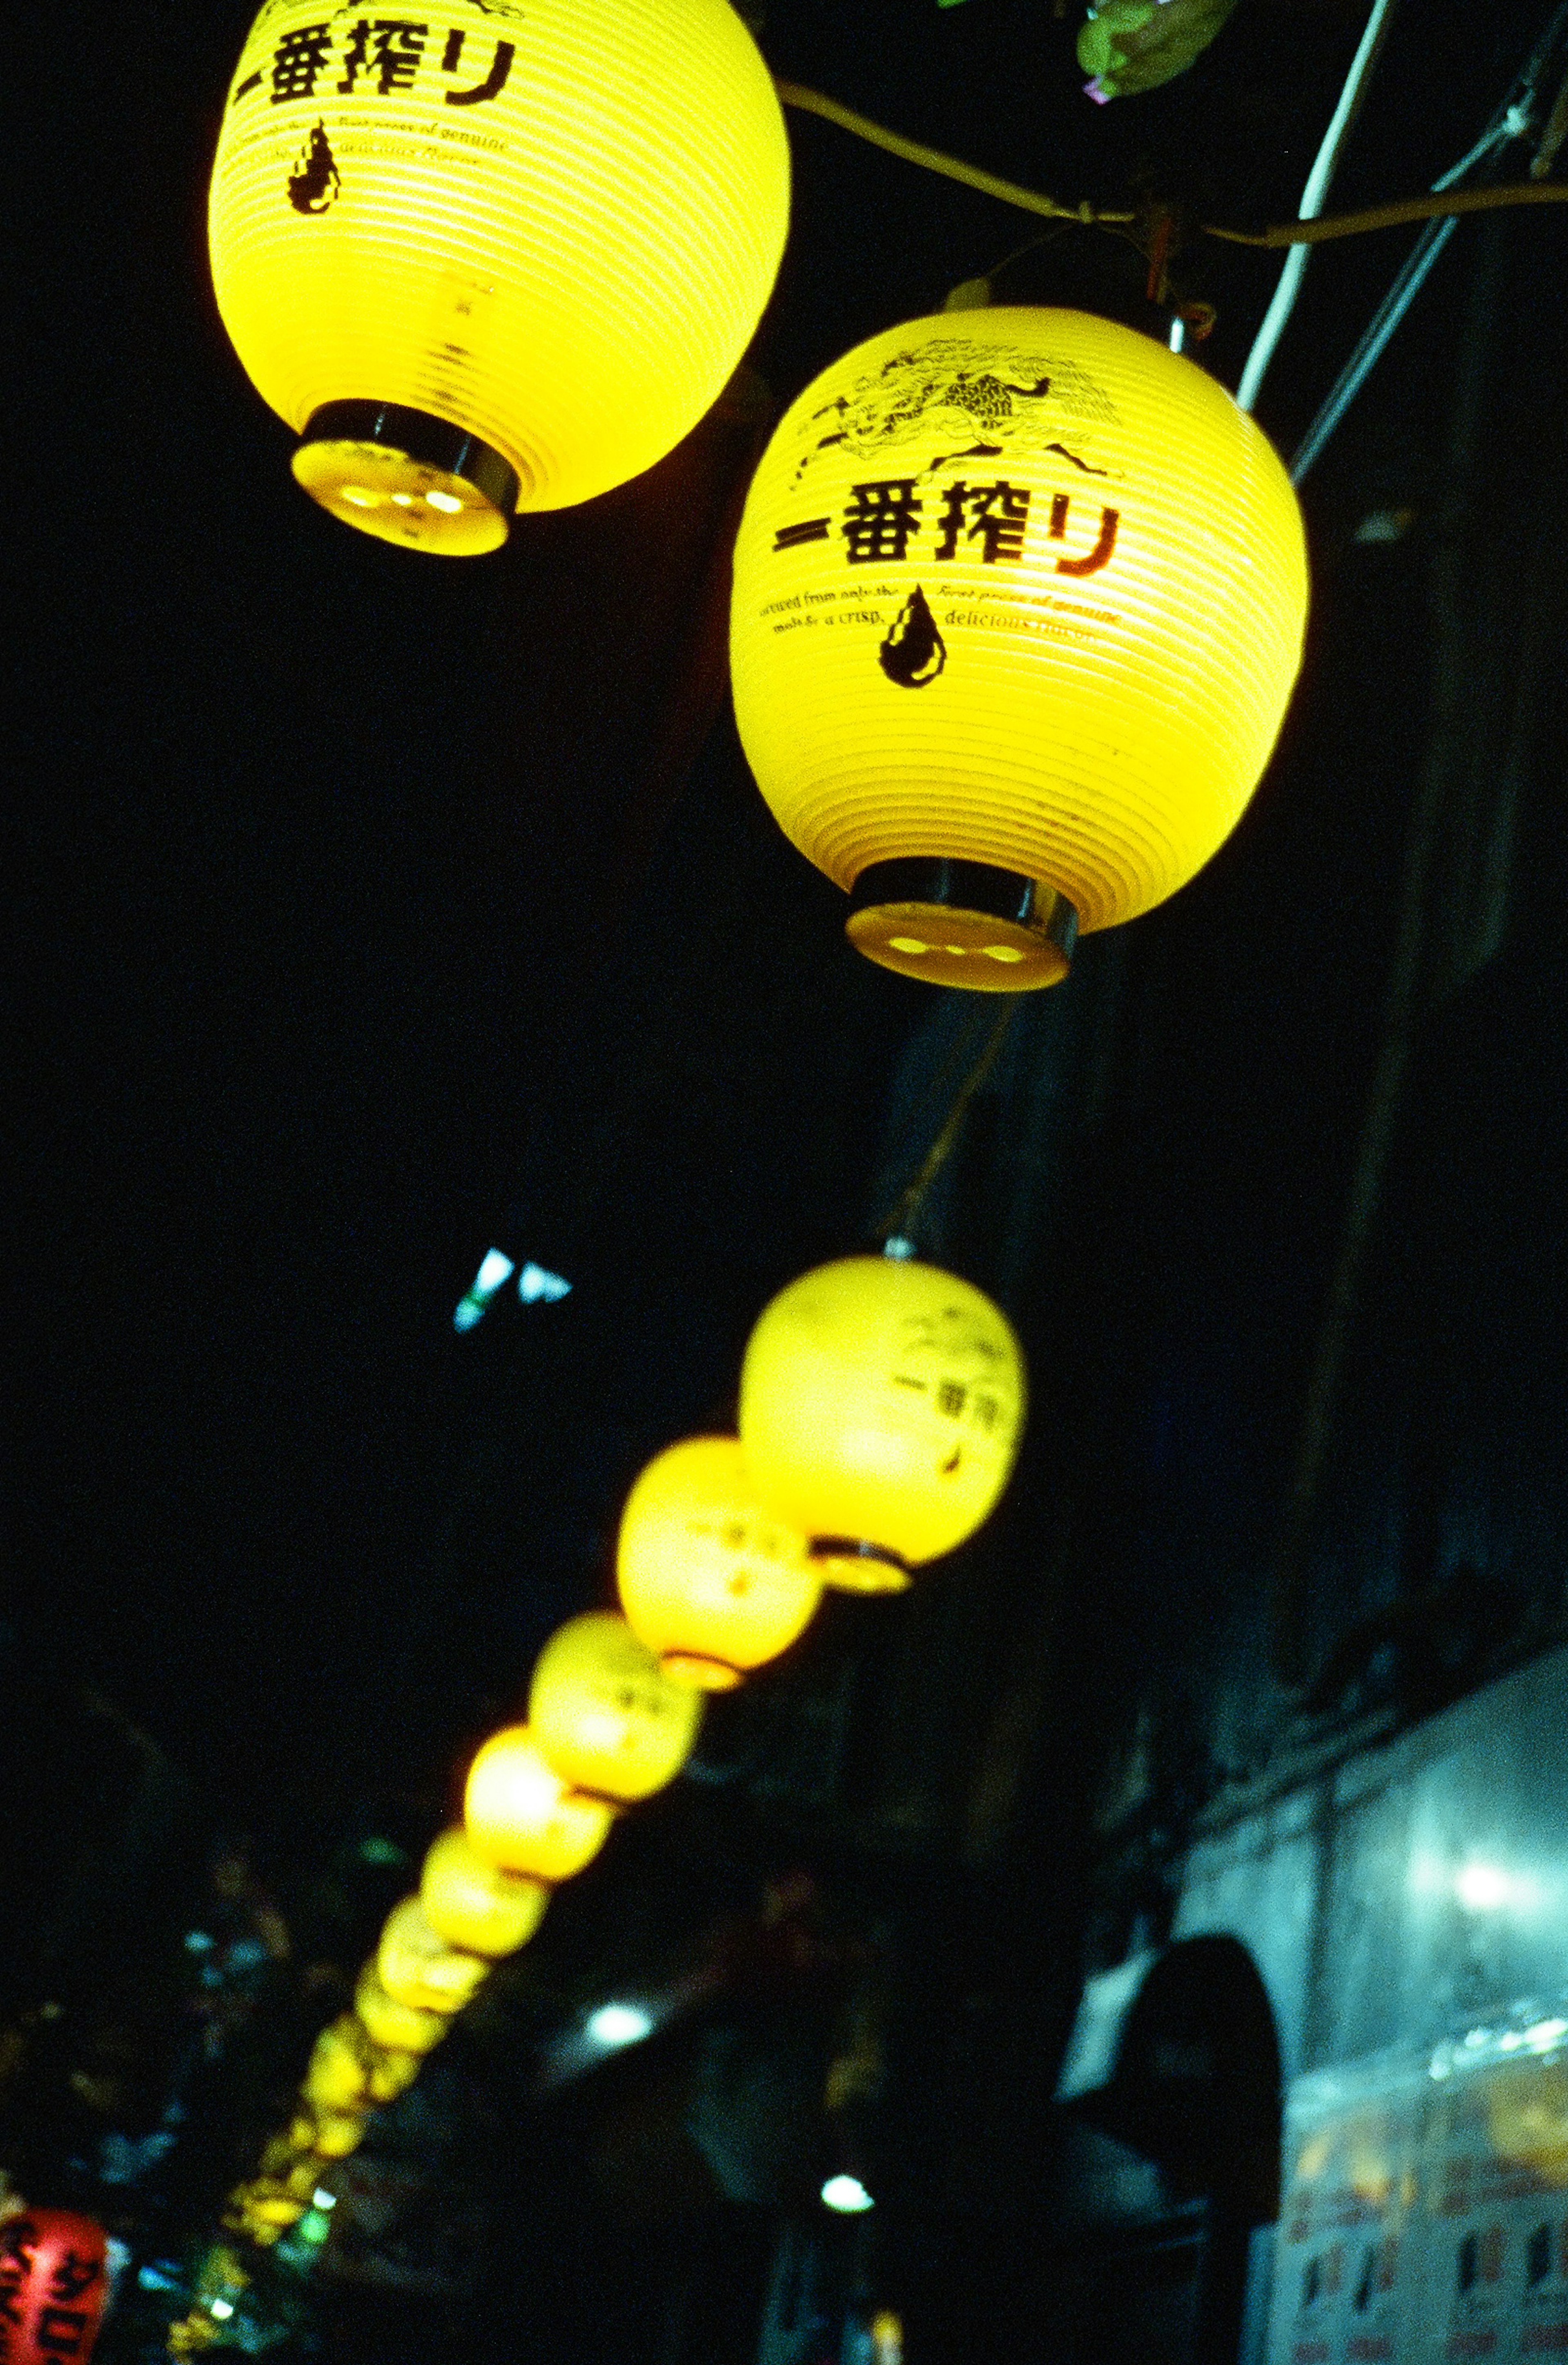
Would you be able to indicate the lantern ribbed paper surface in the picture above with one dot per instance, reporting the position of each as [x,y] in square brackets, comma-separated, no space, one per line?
[881,1406]
[1019,598]
[512,253]
[709,1577]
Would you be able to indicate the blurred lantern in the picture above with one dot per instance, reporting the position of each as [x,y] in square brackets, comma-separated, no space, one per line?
[502,261]
[472,1905]
[398,2027]
[53,2286]
[882,1404]
[603,1712]
[417,1966]
[710,1578]
[331,2134]
[1019,598]
[338,2077]
[520,1814]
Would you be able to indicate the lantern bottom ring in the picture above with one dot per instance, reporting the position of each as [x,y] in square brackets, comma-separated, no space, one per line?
[968,924]
[408,477]
[851,1565]
[702,1674]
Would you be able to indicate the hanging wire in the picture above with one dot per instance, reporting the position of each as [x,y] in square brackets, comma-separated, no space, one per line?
[1030,201]
[1313,195]
[1279,234]
[894,1228]
[1512,120]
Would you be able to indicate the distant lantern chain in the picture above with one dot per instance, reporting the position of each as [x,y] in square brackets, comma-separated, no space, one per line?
[882,1404]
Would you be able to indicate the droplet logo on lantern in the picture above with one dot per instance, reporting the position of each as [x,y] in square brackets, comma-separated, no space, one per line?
[913,653]
[314,183]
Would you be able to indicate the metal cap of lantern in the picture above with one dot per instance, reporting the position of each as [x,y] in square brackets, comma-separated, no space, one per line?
[710,1578]
[880,1409]
[498,259]
[1019,599]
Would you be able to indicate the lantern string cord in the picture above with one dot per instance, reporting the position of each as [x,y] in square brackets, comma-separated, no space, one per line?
[953,168]
[910,1200]
[1404,210]
[1400,210]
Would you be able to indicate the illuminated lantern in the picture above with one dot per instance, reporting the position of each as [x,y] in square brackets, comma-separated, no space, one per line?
[417,1966]
[53,2286]
[472,1904]
[338,2077]
[397,2028]
[520,1815]
[264,2214]
[1019,596]
[604,1713]
[331,2134]
[881,1403]
[710,1578]
[501,260]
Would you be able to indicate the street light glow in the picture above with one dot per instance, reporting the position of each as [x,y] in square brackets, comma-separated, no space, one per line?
[619,2024]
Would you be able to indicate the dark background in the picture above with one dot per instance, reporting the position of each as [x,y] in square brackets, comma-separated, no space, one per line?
[366,912]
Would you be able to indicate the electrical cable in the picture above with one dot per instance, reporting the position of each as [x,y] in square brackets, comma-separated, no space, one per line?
[1391,216]
[1373,343]
[1279,234]
[894,1227]
[953,168]
[1318,182]
[1511,120]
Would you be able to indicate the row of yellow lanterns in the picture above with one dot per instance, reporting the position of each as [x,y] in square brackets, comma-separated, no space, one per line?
[1019,594]
[881,1405]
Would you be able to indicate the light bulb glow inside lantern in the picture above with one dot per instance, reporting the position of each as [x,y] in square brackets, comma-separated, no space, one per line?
[847,2196]
[709,1577]
[614,2025]
[520,1814]
[1019,599]
[880,1409]
[505,260]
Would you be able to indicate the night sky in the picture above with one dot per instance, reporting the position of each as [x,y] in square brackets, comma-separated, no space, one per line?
[368,910]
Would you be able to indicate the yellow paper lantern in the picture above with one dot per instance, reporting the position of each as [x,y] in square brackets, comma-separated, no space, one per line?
[710,1578]
[331,2134]
[1019,598]
[338,2073]
[881,1404]
[396,2027]
[474,1906]
[417,1966]
[521,1816]
[501,258]
[605,1715]
[256,2210]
